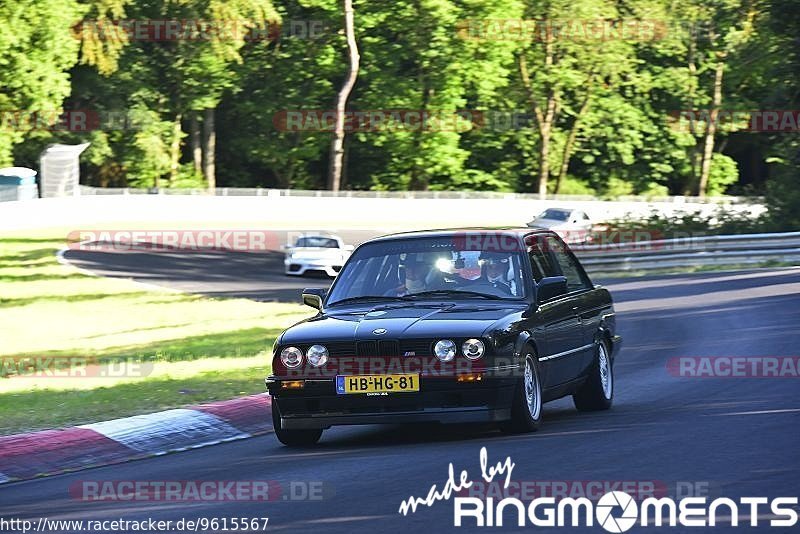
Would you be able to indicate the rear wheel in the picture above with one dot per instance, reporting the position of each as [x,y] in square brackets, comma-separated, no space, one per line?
[526,406]
[293,437]
[597,393]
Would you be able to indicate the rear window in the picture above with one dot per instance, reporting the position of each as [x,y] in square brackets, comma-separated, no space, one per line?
[556,215]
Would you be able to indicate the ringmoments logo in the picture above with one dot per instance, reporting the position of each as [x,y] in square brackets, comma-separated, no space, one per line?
[615,511]
[618,511]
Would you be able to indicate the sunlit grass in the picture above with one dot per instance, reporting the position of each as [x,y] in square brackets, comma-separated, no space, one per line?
[192,348]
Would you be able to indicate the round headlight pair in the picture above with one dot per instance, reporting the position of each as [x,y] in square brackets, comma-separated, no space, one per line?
[445,349]
[292,357]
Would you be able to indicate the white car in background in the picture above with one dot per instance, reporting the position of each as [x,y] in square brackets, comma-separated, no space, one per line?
[319,253]
[573,226]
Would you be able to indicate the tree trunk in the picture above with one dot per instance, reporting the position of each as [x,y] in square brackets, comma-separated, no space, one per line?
[711,128]
[209,149]
[573,134]
[544,160]
[337,145]
[175,149]
[197,150]
[544,119]
[694,157]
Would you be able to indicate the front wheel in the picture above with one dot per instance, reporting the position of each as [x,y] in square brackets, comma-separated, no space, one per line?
[526,406]
[597,393]
[293,438]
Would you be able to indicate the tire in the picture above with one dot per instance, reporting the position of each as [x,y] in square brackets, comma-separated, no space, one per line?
[597,393]
[526,405]
[293,438]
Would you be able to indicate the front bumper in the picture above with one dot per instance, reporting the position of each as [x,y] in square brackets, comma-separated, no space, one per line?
[301,267]
[441,400]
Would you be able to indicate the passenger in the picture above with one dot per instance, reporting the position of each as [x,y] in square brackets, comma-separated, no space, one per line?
[494,269]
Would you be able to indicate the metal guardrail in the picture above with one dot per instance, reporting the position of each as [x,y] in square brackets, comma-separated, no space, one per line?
[254,191]
[748,249]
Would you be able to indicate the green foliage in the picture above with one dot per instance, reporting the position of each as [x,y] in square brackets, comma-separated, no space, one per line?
[723,173]
[692,224]
[574,186]
[37,49]
[615,129]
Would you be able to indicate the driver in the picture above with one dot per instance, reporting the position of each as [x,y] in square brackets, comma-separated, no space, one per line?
[416,272]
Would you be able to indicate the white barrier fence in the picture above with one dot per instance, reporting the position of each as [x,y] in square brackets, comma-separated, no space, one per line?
[277,209]
[260,192]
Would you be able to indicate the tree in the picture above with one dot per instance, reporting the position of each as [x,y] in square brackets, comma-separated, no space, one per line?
[337,145]
[563,65]
[37,49]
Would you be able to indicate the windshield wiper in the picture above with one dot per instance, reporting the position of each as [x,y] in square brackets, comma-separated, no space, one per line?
[451,293]
[364,298]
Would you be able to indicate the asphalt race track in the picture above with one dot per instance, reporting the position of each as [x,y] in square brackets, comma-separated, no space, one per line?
[253,275]
[732,436]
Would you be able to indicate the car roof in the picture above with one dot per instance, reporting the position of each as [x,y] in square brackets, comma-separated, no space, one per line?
[445,232]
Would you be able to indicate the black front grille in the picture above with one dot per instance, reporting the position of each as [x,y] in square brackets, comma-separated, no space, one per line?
[383,348]
[366,349]
[388,348]
[341,349]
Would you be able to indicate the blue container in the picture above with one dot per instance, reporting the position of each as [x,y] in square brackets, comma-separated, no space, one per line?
[17,176]
[18,183]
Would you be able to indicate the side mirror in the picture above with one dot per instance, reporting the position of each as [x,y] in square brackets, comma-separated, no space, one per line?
[550,287]
[313,296]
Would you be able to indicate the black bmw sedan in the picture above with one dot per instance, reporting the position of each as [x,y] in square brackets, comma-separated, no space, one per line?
[472,325]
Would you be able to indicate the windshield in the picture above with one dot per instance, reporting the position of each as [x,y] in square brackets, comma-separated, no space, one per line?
[316,242]
[444,267]
[555,215]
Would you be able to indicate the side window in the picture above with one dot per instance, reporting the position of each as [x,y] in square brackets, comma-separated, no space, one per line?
[567,265]
[541,263]
[364,276]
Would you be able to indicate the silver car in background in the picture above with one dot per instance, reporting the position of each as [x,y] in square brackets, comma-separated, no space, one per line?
[317,253]
[573,226]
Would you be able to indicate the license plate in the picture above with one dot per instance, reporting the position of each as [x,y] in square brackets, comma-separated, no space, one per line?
[376,383]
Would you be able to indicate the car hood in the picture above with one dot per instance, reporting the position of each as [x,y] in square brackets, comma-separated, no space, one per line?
[402,321]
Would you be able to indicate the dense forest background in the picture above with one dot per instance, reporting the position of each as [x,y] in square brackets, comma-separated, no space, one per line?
[575,96]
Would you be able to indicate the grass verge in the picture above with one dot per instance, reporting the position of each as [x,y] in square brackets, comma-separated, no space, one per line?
[109,348]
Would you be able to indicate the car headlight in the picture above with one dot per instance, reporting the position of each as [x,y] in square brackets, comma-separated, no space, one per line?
[473,348]
[292,357]
[317,355]
[445,350]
